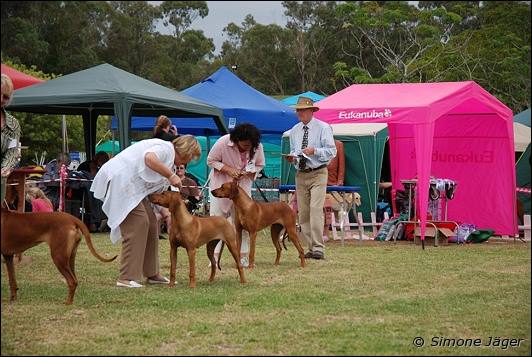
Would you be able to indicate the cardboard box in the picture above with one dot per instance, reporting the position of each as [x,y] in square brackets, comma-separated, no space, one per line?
[436,237]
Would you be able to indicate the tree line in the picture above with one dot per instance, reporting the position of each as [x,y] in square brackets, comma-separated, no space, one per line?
[325,46]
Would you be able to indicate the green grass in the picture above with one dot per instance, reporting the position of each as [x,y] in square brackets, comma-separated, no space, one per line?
[369,299]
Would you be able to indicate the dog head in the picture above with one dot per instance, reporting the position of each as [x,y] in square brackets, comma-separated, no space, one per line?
[227,190]
[357,199]
[166,199]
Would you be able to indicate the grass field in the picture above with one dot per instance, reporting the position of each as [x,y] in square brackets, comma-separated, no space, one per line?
[364,299]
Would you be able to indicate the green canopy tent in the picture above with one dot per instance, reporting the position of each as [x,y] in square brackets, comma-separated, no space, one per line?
[523,117]
[522,165]
[364,150]
[107,90]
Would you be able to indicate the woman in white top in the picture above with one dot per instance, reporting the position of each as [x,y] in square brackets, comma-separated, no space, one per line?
[123,184]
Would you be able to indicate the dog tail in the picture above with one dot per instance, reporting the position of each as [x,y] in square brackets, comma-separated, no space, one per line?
[85,231]
[285,236]
[220,255]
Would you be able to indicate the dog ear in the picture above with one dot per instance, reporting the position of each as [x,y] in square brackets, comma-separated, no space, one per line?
[234,189]
[173,200]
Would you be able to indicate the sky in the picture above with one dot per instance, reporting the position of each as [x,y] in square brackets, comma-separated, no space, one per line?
[221,13]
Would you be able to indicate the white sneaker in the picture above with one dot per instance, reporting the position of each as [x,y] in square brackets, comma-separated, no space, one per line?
[129,284]
[244,261]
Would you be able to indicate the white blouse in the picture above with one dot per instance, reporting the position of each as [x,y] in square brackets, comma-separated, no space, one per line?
[125,180]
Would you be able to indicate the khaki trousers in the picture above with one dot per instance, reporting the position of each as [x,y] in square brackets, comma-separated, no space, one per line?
[310,190]
[140,243]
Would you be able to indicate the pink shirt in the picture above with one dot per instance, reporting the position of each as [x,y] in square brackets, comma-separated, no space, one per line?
[225,152]
[41,205]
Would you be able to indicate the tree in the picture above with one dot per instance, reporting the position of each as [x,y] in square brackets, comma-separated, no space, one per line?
[129,38]
[187,51]
[181,14]
[400,36]
[56,36]
[496,55]
[262,56]
[314,46]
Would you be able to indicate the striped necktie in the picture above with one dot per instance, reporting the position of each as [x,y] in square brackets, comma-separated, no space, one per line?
[304,143]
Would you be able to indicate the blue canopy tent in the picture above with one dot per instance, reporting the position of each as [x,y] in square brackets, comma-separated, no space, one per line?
[194,126]
[239,102]
[291,101]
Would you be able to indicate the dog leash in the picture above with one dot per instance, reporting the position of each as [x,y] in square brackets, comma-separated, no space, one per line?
[260,191]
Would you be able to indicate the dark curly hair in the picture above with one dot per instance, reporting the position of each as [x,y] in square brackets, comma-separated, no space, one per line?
[246,131]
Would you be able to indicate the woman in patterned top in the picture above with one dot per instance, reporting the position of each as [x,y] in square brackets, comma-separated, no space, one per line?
[10,134]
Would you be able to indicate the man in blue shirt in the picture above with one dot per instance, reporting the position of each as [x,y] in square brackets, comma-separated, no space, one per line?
[311,149]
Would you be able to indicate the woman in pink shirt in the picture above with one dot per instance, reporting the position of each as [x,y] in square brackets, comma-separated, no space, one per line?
[238,155]
[39,201]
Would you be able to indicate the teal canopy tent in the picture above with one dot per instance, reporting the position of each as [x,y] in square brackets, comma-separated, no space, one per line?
[291,101]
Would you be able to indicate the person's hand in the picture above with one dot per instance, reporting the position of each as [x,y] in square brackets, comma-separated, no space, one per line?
[309,151]
[231,171]
[290,158]
[173,130]
[6,171]
[175,180]
[249,175]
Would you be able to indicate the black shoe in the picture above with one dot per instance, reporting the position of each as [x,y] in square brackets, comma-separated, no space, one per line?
[318,255]
[309,255]
[162,237]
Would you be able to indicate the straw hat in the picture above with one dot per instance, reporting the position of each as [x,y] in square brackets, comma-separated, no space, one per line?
[305,103]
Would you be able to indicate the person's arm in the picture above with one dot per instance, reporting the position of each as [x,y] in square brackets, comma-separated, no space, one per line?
[341,163]
[214,160]
[152,161]
[196,192]
[328,148]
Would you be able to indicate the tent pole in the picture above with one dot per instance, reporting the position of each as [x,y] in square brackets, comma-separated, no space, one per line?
[64,134]
[208,142]
[113,142]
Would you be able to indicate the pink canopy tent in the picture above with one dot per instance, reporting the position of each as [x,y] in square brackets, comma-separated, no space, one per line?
[453,130]
[19,79]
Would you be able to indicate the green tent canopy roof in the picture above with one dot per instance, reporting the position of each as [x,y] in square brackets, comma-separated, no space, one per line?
[107,90]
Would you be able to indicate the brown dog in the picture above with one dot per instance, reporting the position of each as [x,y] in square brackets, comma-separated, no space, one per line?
[253,216]
[21,231]
[191,232]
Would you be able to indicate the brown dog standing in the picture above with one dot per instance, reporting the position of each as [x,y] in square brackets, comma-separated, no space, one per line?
[61,231]
[191,232]
[253,216]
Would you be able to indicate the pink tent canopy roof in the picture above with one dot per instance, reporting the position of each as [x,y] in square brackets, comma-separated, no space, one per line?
[364,98]
[19,79]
